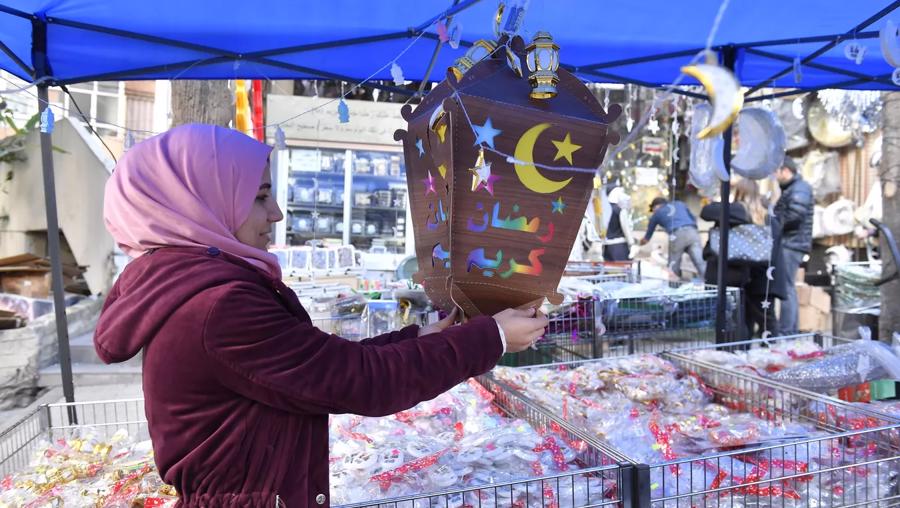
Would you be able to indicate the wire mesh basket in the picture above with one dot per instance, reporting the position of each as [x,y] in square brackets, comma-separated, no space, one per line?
[599,271]
[854,460]
[604,327]
[598,481]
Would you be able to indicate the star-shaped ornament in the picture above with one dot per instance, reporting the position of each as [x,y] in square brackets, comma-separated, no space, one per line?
[565,148]
[485,134]
[421,146]
[442,132]
[482,176]
[442,169]
[558,205]
[653,126]
[766,304]
[429,184]
[315,215]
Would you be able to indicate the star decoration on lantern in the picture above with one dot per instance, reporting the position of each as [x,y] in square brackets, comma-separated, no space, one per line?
[429,184]
[442,132]
[442,169]
[482,176]
[565,148]
[558,205]
[421,146]
[486,133]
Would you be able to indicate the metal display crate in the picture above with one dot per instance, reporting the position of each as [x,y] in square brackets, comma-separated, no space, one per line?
[599,327]
[601,477]
[625,271]
[780,486]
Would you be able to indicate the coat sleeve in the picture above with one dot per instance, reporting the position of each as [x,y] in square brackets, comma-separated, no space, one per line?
[409,332]
[263,352]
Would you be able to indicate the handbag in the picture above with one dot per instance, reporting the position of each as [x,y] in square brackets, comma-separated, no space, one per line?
[747,243]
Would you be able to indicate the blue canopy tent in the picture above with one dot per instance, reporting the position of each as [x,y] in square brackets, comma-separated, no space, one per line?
[57,42]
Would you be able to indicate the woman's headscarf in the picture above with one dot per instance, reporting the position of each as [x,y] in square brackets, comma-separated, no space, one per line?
[192,186]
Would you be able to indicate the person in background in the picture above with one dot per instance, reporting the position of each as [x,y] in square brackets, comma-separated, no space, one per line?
[748,207]
[794,210]
[619,234]
[238,382]
[680,224]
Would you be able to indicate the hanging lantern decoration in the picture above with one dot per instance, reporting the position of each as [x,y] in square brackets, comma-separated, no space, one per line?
[498,183]
[478,52]
[542,57]
[242,107]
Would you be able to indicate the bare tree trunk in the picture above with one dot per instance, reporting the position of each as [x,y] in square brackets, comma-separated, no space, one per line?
[195,101]
[889,173]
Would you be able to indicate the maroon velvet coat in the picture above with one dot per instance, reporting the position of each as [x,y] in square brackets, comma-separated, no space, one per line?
[239,384]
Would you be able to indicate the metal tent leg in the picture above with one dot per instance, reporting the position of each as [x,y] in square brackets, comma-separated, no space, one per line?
[729,55]
[59,300]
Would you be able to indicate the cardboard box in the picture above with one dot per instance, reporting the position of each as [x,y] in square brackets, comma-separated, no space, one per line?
[820,300]
[803,293]
[812,319]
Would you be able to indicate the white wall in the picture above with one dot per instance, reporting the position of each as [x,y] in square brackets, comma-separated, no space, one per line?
[81,175]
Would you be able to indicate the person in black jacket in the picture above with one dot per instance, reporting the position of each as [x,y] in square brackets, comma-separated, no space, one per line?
[794,211]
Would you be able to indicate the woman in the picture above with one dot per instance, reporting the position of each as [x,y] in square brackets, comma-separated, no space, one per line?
[747,207]
[619,237]
[759,292]
[238,383]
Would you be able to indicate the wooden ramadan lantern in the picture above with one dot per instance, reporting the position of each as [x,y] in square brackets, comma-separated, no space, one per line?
[499,168]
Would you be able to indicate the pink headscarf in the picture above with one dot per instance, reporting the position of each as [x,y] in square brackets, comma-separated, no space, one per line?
[192,186]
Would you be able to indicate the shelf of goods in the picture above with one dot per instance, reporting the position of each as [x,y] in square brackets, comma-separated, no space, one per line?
[317,192]
[713,437]
[609,315]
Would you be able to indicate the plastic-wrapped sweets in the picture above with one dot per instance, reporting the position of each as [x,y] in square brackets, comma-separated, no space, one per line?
[84,470]
[454,441]
[764,360]
[845,365]
[694,445]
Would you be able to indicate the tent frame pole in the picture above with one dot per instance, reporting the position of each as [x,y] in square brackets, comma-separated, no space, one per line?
[42,69]
[53,236]
[729,57]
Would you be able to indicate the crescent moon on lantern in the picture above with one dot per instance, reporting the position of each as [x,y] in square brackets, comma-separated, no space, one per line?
[724,92]
[529,175]
[890,46]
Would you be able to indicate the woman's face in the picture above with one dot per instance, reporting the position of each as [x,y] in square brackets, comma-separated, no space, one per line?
[256,231]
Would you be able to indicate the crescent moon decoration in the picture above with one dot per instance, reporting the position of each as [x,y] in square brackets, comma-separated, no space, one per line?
[769,272]
[529,175]
[706,158]
[724,92]
[766,334]
[890,46]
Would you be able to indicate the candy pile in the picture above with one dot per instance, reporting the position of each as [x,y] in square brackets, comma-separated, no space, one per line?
[83,470]
[646,408]
[764,360]
[803,364]
[455,441]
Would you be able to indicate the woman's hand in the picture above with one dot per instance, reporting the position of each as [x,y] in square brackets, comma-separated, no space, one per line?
[440,326]
[522,328]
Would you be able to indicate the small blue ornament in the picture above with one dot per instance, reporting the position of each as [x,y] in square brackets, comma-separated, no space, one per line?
[47,120]
[129,140]
[343,112]
[280,141]
[397,74]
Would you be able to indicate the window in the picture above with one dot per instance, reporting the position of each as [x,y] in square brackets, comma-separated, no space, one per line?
[101,102]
